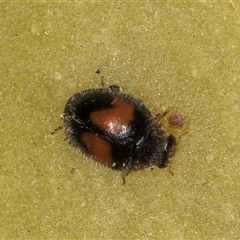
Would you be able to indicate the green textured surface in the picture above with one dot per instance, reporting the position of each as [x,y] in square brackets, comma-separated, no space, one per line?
[168,54]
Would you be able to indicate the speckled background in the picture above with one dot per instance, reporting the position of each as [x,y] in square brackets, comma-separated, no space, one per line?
[167,54]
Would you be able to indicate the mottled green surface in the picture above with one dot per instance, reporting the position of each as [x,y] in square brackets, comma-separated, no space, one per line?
[168,54]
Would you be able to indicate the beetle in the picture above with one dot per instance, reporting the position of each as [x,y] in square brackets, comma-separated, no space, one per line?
[117,130]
